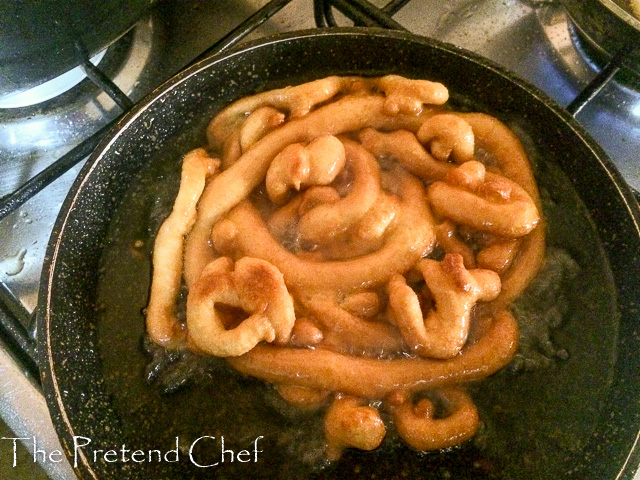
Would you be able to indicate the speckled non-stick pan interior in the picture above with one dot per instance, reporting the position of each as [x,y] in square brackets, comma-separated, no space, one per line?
[578,416]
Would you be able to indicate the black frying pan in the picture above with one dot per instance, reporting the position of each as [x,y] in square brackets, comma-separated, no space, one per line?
[575,417]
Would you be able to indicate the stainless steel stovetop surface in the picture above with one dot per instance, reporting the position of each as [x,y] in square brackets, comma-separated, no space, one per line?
[531,38]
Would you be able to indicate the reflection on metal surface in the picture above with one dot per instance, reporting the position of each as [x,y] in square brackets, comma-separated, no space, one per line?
[555,24]
[48,90]
[532,39]
[611,117]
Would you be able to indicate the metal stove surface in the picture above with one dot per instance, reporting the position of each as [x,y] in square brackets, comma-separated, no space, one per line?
[529,37]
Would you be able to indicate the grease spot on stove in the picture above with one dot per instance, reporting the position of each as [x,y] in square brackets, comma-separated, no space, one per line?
[12,266]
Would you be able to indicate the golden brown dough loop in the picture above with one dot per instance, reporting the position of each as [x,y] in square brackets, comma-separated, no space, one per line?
[300,165]
[258,124]
[253,285]
[347,114]
[365,237]
[409,96]
[224,233]
[419,429]
[499,254]
[297,100]
[329,220]
[362,304]
[403,146]
[375,378]
[444,331]
[162,326]
[506,149]
[314,196]
[489,203]
[448,137]
[524,267]
[231,150]
[287,170]
[305,333]
[450,242]
[410,238]
[300,100]
[347,333]
[283,223]
[349,423]
[504,146]
[375,222]
[302,397]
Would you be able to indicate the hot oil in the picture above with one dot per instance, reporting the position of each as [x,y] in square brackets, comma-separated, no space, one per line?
[536,414]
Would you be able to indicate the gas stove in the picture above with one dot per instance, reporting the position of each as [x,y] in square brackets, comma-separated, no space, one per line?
[47,132]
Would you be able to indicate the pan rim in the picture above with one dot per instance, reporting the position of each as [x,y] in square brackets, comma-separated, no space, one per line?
[48,366]
[621,13]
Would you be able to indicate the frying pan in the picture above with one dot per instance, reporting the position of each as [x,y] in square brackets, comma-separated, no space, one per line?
[576,416]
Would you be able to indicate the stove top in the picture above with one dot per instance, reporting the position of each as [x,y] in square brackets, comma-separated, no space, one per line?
[532,38]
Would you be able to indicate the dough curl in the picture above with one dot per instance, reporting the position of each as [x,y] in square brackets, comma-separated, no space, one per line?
[421,430]
[349,424]
[448,137]
[357,246]
[455,290]
[484,201]
[300,165]
[162,325]
[324,369]
[252,285]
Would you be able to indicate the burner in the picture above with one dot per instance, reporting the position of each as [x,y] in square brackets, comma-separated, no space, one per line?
[597,58]
[605,34]
[49,89]
[578,54]
[51,124]
[612,116]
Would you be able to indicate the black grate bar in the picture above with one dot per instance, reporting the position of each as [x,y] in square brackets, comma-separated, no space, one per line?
[600,80]
[362,12]
[14,306]
[350,11]
[323,14]
[14,200]
[22,350]
[244,29]
[13,318]
[319,13]
[105,83]
[394,6]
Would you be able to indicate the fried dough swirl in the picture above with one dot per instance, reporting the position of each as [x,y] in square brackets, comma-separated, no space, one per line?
[344,249]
